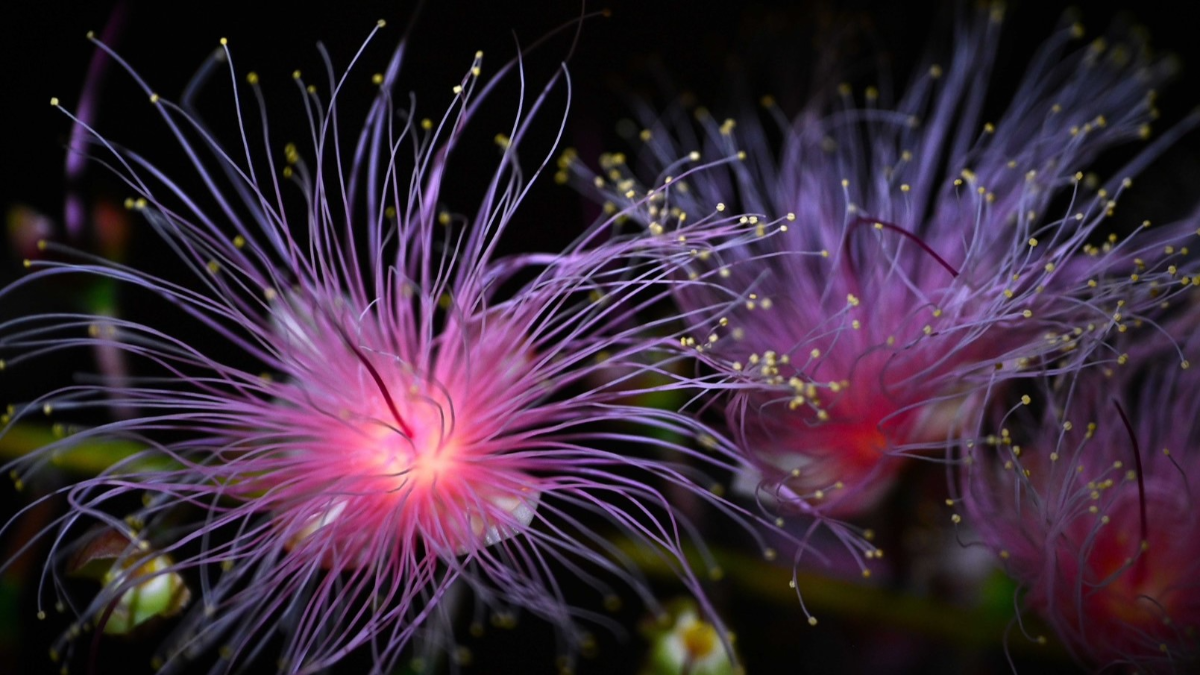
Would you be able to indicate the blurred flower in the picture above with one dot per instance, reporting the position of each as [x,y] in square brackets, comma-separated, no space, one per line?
[1089,505]
[682,643]
[428,422]
[26,227]
[151,589]
[888,265]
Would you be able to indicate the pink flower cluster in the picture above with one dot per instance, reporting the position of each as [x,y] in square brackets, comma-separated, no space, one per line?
[363,415]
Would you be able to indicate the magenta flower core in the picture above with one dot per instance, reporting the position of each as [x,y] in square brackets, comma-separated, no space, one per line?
[426,447]
[892,264]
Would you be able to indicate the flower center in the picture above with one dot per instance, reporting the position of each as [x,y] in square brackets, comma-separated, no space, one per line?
[1134,583]
[435,483]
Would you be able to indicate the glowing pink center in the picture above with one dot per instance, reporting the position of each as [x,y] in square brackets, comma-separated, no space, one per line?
[384,458]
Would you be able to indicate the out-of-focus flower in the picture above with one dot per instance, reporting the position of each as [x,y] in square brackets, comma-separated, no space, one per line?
[683,643]
[1090,506]
[151,589]
[428,423]
[26,227]
[900,260]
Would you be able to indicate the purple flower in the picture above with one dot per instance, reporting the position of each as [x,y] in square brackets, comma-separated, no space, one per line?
[1090,504]
[890,264]
[408,416]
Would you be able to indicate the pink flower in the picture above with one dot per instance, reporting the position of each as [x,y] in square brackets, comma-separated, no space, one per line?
[1089,504]
[892,264]
[406,416]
